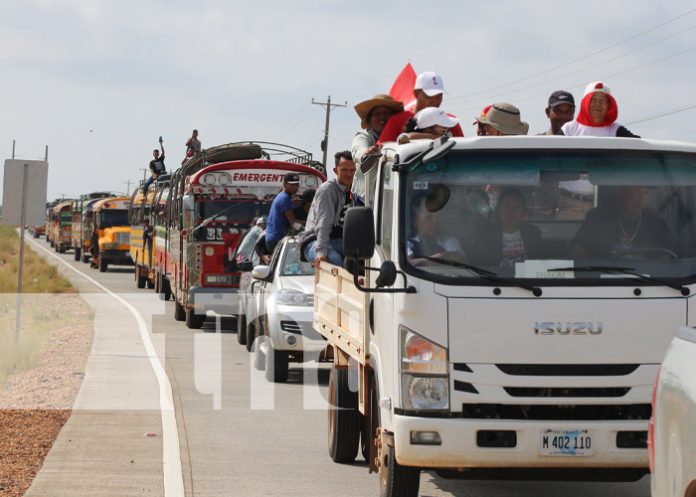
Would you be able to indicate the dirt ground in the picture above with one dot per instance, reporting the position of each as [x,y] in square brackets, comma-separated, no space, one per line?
[36,403]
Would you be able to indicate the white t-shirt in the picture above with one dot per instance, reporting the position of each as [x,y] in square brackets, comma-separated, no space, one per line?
[513,249]
[574,128]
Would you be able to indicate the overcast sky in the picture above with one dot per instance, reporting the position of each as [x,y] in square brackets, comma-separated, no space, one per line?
[98,81]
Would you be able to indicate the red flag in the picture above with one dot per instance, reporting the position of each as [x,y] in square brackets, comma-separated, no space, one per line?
[402,89]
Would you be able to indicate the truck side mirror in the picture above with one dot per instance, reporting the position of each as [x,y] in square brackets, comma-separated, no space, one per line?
[359,233]
[387,275]
[261,272]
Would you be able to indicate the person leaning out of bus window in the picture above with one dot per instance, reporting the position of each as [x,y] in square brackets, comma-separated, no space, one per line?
[509,238]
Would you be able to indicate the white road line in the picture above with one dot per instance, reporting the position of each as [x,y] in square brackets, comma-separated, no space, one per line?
[171,456]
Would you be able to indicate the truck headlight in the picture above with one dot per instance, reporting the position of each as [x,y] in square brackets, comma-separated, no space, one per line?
[424,373]
[425,392]
[293,297]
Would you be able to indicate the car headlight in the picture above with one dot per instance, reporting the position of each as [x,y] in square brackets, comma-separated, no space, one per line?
[293,297]
[424,373]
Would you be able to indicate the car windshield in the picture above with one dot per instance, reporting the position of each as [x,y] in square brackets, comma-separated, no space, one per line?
[113,217]
[291,265]
[551,215]
[239,212]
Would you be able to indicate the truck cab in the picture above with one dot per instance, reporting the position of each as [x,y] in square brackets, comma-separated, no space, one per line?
[495,310]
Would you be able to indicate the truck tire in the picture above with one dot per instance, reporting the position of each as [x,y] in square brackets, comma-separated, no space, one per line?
[103,266]
[78,254]
[194,321]
[344,418]
[396,480]
[179,311]
[276,364]
[85,258]
[241,329]
[61,249]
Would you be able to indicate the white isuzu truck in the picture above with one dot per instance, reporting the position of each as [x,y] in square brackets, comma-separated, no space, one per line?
[508,303]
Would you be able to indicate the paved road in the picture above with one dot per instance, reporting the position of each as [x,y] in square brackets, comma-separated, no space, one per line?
[238,435]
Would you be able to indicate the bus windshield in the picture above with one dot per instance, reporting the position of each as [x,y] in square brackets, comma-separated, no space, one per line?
[552,216]
[238,212]
[113,217]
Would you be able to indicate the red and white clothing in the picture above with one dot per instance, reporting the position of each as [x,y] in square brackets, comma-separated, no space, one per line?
[583,125]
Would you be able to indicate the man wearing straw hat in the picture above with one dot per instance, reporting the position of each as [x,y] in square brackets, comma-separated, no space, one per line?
[503,119]
[374,114]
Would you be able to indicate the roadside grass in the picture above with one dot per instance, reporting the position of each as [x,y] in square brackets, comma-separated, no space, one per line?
[48,302]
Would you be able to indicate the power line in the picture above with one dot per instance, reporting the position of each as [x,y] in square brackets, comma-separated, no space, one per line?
[290,119]
[579,59]
[676,110]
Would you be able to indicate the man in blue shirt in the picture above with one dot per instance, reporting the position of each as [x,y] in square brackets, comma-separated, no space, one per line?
[281,217]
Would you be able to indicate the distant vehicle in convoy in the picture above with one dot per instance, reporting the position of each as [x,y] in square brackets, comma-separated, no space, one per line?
[494,316]
[37,231]
[213,198]
[111,232]
[284,296]
[81,225]
[673,426]
[61,226]
[142,219]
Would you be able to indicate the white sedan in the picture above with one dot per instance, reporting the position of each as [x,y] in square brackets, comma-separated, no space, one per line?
[284,295]
[672,437]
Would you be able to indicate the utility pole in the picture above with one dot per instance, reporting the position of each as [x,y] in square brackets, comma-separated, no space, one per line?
[325,142]
[144,170]
[128,184]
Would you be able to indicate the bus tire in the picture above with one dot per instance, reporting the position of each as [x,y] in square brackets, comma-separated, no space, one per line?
[344,418]
[149,283]
[78,254]
[241,329]
[166,289]
[103,266]
[179,311]
[85,258]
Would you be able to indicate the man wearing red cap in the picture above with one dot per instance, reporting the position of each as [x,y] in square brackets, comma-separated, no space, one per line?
[598,114]
[428,91]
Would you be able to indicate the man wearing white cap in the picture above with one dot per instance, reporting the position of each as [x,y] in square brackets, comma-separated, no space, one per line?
[428,91]
[429,123]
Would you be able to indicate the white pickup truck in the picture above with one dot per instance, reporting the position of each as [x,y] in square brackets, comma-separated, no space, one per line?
[673,426]
[509,305]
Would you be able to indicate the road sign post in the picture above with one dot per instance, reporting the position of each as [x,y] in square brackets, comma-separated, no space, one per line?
[28,178]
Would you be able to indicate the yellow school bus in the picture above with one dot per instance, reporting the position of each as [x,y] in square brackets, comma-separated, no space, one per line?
[141,241]
[110,242]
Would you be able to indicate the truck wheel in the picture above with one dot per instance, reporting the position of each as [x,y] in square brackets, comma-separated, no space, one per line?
[344,418]
[52,244]
[103,266]
[179,311]
[396,480]
[194,321]
[276,364]
[78,253]
[241,329]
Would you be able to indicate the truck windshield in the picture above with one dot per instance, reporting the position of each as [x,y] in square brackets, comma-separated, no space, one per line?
[535,215]
[113,217]
[239,212]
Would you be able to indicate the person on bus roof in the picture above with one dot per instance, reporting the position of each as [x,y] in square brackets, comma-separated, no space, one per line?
[156,166]
[597,116]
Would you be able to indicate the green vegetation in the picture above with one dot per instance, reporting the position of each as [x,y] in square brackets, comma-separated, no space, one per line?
[46,298]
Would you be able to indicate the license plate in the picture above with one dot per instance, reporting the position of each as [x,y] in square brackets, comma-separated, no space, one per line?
[566,443]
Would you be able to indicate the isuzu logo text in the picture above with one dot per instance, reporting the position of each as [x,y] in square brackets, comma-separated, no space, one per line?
[568,328]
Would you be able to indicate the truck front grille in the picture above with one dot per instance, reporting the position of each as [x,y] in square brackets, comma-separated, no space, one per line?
[566,392]
[567,369]
[557,412]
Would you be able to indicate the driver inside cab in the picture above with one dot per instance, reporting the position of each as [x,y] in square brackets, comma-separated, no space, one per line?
[625,229]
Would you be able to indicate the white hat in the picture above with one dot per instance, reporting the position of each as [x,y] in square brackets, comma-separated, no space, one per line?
[433,116]
[597,87]
[430,82]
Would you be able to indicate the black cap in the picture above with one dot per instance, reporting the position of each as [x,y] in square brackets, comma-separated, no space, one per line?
[308,195]
[561,97]
[292,179]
